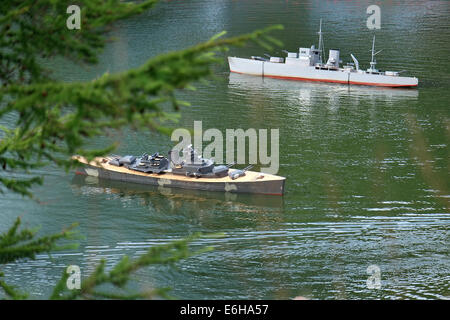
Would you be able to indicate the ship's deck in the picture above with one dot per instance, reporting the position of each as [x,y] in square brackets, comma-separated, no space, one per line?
[250,176]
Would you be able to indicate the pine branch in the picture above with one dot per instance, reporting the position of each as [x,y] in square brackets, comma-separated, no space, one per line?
[120,274]
[10,291]
[56,118]
[53,120]
[16,245]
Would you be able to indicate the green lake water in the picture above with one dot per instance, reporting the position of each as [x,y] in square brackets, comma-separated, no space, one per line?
[367,168]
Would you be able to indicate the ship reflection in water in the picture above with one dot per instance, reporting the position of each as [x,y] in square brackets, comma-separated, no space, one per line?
[306,94]
[172,199]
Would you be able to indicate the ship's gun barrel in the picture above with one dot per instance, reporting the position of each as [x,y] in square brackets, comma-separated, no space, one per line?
[239,173]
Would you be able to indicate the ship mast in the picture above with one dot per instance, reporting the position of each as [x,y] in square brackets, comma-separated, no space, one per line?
[320,41]
[373,62]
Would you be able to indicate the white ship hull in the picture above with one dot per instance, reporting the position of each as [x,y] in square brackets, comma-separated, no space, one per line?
[312,73]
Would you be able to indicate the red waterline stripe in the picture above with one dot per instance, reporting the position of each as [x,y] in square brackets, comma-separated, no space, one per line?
[305,79]
[336,81]
[81,173]
[383,84]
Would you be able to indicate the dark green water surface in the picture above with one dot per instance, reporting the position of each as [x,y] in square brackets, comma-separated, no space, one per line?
[367,168]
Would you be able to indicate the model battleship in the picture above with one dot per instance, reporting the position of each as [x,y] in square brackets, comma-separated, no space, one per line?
[190,172]
[307,64]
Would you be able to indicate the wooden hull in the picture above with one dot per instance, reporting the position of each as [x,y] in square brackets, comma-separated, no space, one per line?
[164,197]
[270,184]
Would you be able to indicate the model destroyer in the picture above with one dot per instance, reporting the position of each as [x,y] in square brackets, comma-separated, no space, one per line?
[190,172]
[307,64]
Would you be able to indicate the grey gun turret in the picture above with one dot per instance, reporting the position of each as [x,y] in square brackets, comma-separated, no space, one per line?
[239,173]
[193,165]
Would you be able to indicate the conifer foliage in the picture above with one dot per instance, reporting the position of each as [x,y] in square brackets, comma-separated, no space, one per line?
[48,120]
